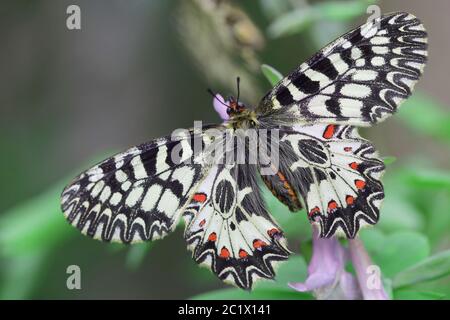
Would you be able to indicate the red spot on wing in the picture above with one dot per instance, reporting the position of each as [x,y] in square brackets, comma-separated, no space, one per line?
[212,237]
[199,197]
[350,200]
[313,211]
[360,184]
[258,244]
[329,131]
[202,223]
[332,205]
[353,165]
[272,232]
[224,253]
[243,254]
[348,149]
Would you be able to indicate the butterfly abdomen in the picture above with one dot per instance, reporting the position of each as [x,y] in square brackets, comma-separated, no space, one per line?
[280,187]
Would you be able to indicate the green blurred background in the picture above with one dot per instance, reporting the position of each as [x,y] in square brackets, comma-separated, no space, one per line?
[139,69]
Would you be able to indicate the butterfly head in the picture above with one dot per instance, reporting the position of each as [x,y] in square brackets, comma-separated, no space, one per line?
[235,107]
[234,112]
[240,116]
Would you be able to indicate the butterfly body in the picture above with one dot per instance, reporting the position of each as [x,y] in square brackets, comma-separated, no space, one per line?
[311,157]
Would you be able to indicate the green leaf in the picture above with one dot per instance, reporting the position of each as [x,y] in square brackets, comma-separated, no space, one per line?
[293,22]
[271,74]
[387,284]
[399,213]
[417,295]
[274,8]
[438,223]
[434,267]
[340,10]
[300,19]
[398,251]
[38,223]
[389,160]
[424,115]
[20,274]
[137,253]
[430,178]
[28,234]
[373,239]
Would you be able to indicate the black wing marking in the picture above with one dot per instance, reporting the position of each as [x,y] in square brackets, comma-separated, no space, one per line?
[138,194]
[359,79]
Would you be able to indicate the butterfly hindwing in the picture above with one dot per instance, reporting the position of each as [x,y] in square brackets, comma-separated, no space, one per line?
[336,173]
[135,195]
[229,230]
[359,79]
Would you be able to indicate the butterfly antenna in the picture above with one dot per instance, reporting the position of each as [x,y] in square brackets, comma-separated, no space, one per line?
[215,97]
[238,81]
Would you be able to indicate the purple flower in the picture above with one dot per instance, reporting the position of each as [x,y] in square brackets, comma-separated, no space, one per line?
[368,274]
[327,278]
[220,105]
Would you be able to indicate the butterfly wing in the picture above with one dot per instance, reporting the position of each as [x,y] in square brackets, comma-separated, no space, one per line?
[229,230]
[138,194]
[360,79]
[336,174]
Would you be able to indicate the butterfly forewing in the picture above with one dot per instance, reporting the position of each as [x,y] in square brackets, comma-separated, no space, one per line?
[360,79]
[135,195]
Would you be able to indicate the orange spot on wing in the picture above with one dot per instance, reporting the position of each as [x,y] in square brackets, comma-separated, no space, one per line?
[350,200]
[224,253]
[199,197]
[243,254]
[360,184]
[329,131]
[212,237]
[354,165]
[257,244]
[202,223]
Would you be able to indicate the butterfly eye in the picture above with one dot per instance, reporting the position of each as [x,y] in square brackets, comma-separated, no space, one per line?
[228,110]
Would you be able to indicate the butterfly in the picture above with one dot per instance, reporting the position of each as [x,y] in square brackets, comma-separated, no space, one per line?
[324,166]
